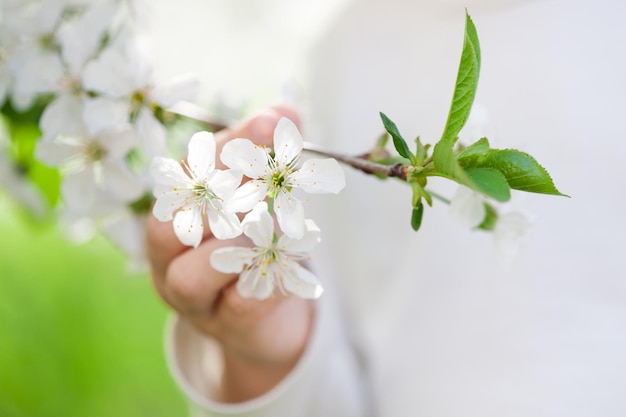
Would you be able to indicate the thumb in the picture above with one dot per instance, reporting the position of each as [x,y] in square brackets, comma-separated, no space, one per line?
[259,128]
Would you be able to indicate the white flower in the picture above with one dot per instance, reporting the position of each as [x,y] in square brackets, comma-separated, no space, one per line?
[52,49]
[124,71]
[509,234]
[278,176]
[509,230]
[92,163]
[202,191]
[468,207]
[272,262]
[127,230]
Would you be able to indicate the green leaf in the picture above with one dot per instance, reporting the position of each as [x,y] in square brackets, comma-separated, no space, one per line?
[398,141]
[480,147]
[446,164]
[484,180]
[421,151]
[490,182]
[416,216]
[466,82]
[521,170]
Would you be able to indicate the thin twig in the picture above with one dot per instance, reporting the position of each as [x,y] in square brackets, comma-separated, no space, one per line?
[357,162]
[195,112]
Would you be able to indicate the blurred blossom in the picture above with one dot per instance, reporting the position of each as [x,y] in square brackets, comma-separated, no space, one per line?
[123,71]
[47,46]
[468,207]
[91,164]
[127,231]
[509,235]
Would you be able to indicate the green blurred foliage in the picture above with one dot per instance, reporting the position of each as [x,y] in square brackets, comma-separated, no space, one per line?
[79,335]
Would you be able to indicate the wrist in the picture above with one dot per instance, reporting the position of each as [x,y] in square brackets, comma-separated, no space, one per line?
[255,366]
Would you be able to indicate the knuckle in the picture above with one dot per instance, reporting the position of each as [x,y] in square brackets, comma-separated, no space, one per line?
[187,286]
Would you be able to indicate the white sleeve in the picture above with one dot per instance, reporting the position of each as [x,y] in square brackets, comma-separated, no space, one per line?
[327,381]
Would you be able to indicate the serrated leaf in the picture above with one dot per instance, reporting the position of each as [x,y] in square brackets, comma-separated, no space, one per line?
[466,82]
[490,182]
[398,141]
[416,216]
[487,181]
[521,170]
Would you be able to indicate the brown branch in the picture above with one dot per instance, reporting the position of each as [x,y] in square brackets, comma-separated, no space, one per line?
[195,112]
[364,165]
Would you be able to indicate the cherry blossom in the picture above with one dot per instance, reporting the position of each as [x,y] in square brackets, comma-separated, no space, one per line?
[272,262]
[188,195]
[278,175]
[92,163]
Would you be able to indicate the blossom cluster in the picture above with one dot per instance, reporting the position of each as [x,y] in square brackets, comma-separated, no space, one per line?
[196,190]
[87,67]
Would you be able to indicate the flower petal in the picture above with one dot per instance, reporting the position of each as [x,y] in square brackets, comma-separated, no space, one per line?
[152,133]
[252,284]
[29,79]
[287,142]
[109,73]
[57,152]
[224,224]
[79,191]
[258,225]
[244,155]
[231,260]
[167,174]
[224,183]
[301,282]
[290,215]
[318,176]
[127,231]
[60,117]
[467,206]
[509,233]
[103,113]
[167,203]
[201,154]
[120,181]
[188,227]
[247,196]
[181,87]
[81,37]
[310,239]
[118,141]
